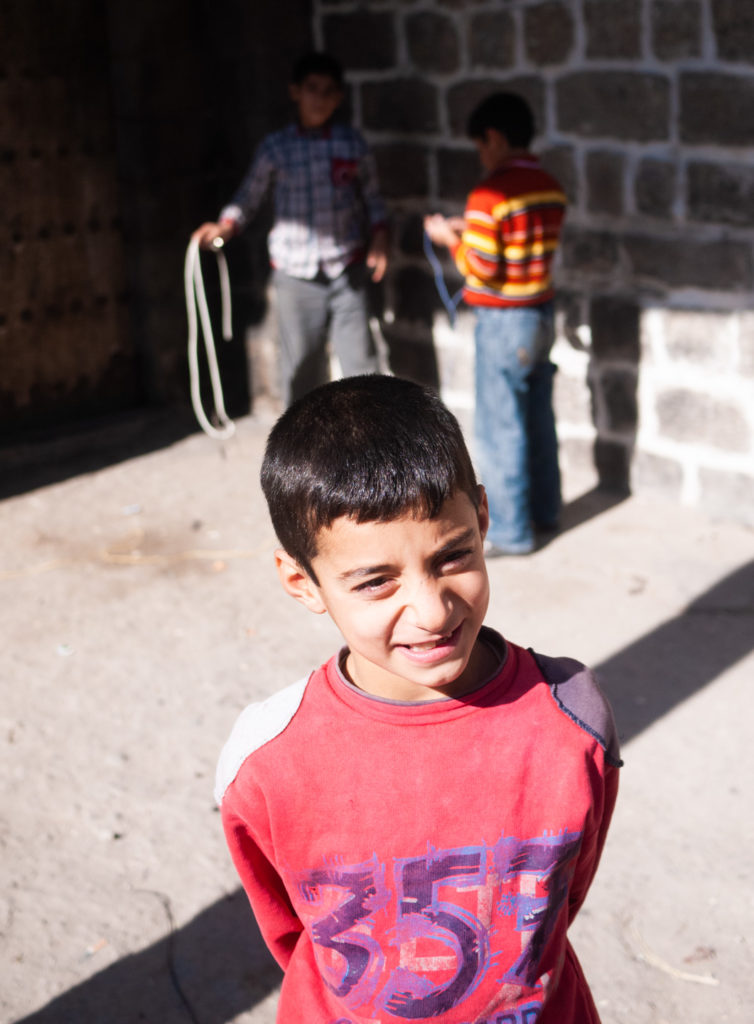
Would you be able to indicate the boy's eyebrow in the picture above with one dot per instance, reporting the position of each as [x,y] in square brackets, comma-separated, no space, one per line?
[366,570]
[461,538]
[374,570]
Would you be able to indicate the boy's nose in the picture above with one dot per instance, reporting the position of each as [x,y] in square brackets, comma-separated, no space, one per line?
[431,607]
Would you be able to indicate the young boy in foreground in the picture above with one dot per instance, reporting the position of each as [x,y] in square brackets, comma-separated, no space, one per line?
[417,822]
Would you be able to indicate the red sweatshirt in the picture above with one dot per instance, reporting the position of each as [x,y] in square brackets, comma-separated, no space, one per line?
[423,861]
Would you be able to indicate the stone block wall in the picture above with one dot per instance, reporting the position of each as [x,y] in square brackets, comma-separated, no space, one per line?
[645,111]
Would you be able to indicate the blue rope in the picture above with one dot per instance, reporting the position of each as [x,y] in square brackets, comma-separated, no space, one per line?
[450,302]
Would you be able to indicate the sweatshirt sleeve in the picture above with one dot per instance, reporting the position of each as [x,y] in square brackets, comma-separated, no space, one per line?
[576,691]
[605,793]
[278,923]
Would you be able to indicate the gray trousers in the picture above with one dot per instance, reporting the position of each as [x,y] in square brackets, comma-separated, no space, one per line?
[312,312]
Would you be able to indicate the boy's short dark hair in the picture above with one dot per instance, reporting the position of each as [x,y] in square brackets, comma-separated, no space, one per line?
[508,113]
[372,448]
[315,63]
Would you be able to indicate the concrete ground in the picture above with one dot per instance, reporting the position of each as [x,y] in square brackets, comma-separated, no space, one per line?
[141,612]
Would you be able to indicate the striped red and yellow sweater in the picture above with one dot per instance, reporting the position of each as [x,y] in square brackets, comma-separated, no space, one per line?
[513,222]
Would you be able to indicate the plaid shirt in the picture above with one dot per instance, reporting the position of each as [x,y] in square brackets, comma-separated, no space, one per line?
[327,202]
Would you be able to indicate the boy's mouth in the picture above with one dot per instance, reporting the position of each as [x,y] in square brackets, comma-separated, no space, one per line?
[430,645]
[447,640]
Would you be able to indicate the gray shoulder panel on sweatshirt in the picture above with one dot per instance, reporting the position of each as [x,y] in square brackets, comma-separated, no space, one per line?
[577,693]
[256,725]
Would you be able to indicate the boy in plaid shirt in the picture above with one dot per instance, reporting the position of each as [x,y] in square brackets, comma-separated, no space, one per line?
[329,230]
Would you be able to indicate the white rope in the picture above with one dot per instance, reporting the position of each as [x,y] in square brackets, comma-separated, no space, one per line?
[196,297]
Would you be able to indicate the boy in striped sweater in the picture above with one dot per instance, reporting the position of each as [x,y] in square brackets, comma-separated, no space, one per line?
[504,247]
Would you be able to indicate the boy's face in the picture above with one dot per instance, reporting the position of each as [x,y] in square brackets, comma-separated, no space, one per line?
[408,595]
[317,98]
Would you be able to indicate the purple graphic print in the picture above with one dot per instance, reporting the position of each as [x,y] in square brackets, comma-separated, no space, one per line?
[353,893]
[551,860]
[417,941]
[423,914]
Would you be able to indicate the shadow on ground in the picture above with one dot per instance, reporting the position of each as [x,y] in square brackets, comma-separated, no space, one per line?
[217,966]
[663,668]
[590,504]
[46,457]
[580,510]
[207,972]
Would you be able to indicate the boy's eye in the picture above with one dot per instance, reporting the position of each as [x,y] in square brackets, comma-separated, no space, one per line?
[451,558]
[372,586]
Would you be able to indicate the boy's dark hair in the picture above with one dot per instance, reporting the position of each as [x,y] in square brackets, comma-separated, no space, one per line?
[507,112]
[372,448]
[315,63]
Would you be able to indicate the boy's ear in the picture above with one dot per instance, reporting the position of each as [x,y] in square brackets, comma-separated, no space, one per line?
[294,91]
[483,512]
[298,583]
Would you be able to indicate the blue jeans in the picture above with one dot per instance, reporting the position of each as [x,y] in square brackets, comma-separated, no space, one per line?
[516,445]
[310,311]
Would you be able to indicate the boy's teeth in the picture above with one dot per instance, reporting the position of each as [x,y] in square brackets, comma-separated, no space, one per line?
[428,646]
